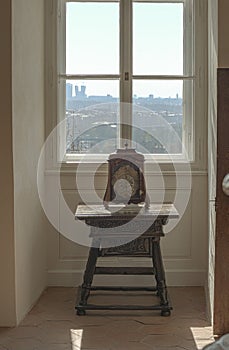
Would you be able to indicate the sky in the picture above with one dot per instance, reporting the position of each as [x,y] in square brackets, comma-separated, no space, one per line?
[92,45]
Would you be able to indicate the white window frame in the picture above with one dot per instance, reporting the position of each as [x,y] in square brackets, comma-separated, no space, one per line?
[195,58]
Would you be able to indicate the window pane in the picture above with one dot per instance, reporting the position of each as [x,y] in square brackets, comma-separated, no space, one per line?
[158,38]
[92,38]
[158,116]
[92,114]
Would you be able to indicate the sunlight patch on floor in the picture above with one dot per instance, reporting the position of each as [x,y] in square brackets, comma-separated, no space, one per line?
[201,335]
[76,338]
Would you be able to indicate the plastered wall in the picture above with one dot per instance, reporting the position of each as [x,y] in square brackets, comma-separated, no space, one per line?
[28,138]
[7,267]
[212,141]
[22,224]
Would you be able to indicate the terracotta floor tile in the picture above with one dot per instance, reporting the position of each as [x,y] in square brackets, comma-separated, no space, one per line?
[25,332]
[161,340]
[53,325]
[23,344]
[130,346]
[31,320]
[55,347]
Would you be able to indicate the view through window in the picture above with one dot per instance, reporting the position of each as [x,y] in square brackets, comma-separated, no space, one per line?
[132,53]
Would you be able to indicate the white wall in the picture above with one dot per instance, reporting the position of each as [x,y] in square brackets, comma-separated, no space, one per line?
[28,137]
[184,249]
[7,266]
[212,142]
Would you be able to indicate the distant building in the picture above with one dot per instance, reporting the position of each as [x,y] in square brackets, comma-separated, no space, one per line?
[83,90]
[100,98]
[68,91]
[80,94]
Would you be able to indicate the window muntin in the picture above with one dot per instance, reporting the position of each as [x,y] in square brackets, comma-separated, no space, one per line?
[127,92]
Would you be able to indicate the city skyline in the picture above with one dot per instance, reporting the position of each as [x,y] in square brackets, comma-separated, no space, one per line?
[92,122]
[79,92]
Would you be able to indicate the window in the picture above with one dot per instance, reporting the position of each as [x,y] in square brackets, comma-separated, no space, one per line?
[127,71]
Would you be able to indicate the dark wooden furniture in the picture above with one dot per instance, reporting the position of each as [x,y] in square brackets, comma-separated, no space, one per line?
[125,232]
[221,272]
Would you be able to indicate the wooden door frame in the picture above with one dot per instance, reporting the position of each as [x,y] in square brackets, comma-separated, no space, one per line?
[221,292]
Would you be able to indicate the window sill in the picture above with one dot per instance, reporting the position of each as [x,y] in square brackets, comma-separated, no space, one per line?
[165,168]
[101,158]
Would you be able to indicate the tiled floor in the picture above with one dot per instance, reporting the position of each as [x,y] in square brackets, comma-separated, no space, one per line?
[53,325]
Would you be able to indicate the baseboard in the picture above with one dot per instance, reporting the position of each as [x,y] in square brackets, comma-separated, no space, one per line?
[73,278]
